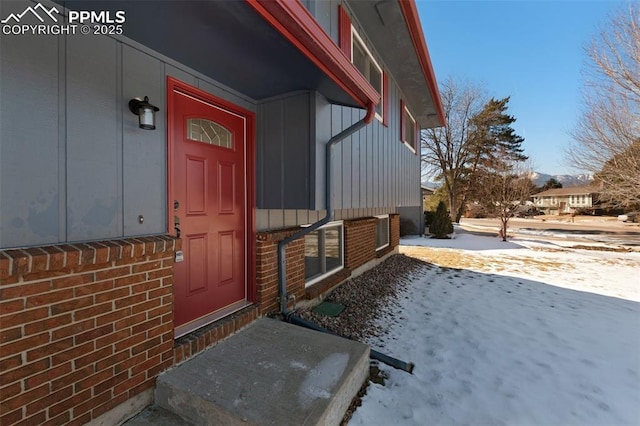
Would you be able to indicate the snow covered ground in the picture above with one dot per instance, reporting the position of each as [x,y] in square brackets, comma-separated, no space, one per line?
[516,333]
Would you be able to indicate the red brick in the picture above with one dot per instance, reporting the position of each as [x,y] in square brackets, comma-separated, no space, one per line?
[113,316]
[80,419]
[109,274]
[70,379]
[24,344]
[130,321]
[93,311]
[92,380]
[47,376]
[92,288]
[74,329]
[113,338]
[62,419]
[10,334]
[61,406]
[145,267]
[47,401]
[130,279]
[72,353]
[23,399]
[7,364]
[109,362]
[50,349]
[130,300]
[111,382]
[160,273]
[129,363]
[70,281]
[117,293]
[49,298]
[21,262]
[146,306]
[11,417]
[24,290]
[111,403]
[71,305]
[11,390]
[36,419]
[93,357]
[130,383]
[90,403]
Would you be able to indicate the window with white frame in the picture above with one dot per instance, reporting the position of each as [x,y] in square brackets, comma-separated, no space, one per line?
[408,129]
[323,252]
[382,231]
[368,67]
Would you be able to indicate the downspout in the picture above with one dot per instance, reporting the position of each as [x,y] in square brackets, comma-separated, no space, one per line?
[282,261]
[282,245]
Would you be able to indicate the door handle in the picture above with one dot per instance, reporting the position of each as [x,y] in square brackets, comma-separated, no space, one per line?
[176,225]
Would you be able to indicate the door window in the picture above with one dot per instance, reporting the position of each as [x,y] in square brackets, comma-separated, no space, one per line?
[207,131]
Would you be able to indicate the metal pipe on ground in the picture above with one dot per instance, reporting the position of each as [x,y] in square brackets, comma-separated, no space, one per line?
[391,361]
[282,245]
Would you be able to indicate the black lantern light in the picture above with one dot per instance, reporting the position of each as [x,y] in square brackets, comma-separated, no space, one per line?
[145,111]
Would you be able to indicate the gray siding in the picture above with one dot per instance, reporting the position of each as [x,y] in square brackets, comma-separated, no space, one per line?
[77,167]
[374,173]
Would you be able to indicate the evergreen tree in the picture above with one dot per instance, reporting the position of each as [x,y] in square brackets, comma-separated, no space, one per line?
[551,184]
[441,225]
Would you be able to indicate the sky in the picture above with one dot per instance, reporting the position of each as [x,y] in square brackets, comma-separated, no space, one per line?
[532,51]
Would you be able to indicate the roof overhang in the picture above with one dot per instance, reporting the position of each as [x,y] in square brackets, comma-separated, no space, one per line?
[260,48]
[393,26]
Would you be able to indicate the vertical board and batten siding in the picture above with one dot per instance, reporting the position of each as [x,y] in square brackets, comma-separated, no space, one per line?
[74,165]
[374,173]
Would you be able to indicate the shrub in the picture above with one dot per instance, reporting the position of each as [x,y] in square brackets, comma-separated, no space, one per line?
[441,225]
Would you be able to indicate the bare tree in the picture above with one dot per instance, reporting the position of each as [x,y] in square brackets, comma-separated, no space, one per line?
[607,136]
[503,190]
[448,151]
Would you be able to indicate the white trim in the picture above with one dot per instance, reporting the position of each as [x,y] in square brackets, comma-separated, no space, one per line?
[354,32]
[383,216]
[334,224]
[415,132]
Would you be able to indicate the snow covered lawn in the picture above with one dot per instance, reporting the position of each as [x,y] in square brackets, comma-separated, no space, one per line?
[517,333]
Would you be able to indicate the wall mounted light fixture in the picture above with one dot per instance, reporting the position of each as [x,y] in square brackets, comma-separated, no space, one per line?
[145,111]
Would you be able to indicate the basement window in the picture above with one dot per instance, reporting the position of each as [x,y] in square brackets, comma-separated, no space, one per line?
[323,252]
[382,231]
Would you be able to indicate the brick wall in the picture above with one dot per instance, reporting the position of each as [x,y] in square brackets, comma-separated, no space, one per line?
[267,269]
[83,327]
[394,223]
[360,242]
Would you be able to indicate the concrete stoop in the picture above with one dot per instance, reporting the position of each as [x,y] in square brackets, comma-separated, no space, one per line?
[271,373]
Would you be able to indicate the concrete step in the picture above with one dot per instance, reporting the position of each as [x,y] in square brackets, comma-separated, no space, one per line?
[271,373]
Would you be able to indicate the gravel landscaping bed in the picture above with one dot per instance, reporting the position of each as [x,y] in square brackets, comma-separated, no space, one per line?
[367,297]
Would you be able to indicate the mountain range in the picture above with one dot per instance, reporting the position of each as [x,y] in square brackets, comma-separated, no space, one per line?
[540,179]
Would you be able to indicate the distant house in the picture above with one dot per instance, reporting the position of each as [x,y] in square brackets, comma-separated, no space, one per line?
[130,241]
[567,200]
[427,192]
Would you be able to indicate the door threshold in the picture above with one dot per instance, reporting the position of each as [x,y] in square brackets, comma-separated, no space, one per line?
[210,318]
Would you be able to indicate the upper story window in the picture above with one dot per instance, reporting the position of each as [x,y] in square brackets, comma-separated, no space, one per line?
[367,65]
[354,47]
[408,129]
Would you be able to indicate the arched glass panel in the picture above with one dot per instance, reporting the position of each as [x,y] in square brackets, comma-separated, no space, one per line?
[207,131]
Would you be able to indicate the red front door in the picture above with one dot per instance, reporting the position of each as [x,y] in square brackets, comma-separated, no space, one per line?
[208,206]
